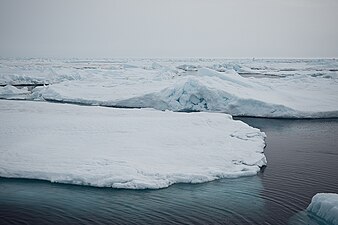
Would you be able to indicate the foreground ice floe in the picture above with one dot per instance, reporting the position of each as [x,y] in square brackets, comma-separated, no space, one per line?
[308,90]
[325,206]
[124,148]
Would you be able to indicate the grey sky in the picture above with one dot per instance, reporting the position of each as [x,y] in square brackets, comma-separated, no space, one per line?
[169,28]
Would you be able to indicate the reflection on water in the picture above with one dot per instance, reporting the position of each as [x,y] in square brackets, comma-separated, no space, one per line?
[304,218]
[232,200]
[302,160]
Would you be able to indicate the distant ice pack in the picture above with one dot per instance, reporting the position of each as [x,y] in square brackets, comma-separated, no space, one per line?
[303,89]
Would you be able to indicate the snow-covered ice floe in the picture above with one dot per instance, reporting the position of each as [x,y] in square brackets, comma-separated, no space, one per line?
[209,90]
[124,148]
[11,92]
[325,206]
[183,85]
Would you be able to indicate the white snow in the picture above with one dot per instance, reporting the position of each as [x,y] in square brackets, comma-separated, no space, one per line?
[11,92]
[309,90]
[209,90]
[325,206]
[124,148]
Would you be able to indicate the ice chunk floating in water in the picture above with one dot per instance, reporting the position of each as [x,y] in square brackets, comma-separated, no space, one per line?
[325,206]
[124,148]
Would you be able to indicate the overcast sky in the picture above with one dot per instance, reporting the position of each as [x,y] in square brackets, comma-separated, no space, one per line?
[169,28]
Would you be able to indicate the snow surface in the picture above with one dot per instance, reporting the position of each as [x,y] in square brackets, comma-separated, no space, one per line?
[11,92]
[325,206]
[208,90]
[124,148]
[307,89]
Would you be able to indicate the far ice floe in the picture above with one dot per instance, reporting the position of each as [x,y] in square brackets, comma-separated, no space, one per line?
[308,90]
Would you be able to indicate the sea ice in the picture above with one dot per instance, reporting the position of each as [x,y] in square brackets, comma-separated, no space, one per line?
[325,206]
[124,148]
[208,90]
[307,89]
[11,92]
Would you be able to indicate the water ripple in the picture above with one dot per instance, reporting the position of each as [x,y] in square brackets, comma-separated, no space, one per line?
[301,162]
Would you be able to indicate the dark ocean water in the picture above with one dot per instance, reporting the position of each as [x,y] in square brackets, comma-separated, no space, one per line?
[302,160]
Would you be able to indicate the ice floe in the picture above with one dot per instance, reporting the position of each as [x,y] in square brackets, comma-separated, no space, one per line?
[11,92]
[124,148]
[209,90]
[325,206]
[308,89]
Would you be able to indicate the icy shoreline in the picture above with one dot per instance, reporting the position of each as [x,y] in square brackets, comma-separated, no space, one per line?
[124,148]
